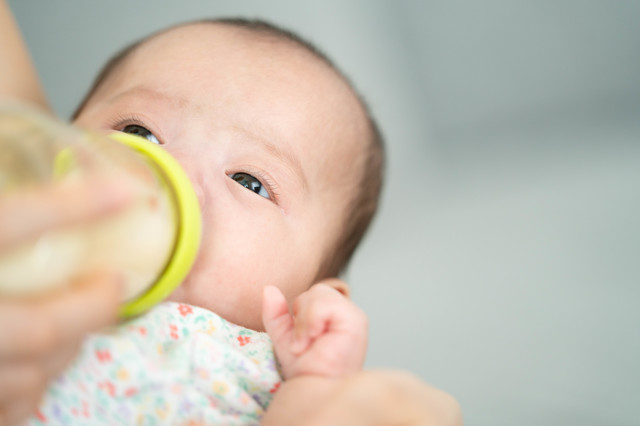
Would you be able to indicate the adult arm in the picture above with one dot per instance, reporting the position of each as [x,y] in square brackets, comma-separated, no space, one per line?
[18,77]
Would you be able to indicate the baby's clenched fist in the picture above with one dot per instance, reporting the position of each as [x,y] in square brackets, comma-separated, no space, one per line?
[326,335]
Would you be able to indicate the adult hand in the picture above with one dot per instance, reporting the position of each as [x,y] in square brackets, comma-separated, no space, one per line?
[364,398]
[39,335]
[385,397]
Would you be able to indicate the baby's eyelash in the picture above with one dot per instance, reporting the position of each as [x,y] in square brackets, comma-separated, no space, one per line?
[267,181]
[272,187]
[121,121]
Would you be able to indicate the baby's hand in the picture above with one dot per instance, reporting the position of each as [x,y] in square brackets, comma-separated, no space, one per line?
[326,335]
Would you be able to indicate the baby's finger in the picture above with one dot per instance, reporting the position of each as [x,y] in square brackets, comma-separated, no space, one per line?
[28,214]
[301,339]
[276,319]
[314,311]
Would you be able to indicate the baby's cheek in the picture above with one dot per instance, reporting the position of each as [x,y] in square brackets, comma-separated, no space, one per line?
[248,243]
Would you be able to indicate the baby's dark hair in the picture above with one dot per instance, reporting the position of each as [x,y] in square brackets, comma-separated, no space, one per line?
[362,207]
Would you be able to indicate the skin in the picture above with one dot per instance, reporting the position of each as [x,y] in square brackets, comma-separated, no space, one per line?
[240,106]
[18,79]
[55,325]
[364,398]
[243,107]
[326,336]
[38,337]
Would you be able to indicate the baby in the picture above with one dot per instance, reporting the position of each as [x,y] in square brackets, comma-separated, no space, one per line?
[287,165]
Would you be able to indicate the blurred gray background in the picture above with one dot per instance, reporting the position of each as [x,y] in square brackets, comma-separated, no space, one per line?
[503,266]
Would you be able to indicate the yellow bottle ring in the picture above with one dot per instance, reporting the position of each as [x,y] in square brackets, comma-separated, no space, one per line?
[188,225]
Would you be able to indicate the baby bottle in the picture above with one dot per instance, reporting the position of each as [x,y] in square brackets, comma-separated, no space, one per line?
[152,242]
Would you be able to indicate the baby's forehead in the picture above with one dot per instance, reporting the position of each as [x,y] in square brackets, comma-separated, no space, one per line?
[329,109]
[273,54]
[220,37]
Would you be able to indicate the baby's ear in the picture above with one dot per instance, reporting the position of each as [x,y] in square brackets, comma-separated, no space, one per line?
[339,285]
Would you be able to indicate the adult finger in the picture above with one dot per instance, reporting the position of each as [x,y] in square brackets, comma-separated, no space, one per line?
[32,328]
[27,214]
[20,379]
[89,305]
[17,411]
[57,361]
[22,387]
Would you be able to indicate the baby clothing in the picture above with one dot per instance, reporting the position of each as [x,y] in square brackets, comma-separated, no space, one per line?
[177,364]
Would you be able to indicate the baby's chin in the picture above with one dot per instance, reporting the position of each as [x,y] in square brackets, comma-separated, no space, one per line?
[237,310]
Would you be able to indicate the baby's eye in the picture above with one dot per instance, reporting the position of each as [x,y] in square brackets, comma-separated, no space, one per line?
[138,130]
[251,183]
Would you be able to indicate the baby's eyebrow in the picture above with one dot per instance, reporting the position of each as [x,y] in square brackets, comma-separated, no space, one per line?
[148,93]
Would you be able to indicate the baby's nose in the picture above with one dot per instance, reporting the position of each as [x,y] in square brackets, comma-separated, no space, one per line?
[190,165]
[198,189]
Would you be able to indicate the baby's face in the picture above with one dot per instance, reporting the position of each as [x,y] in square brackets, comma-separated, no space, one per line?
[268,136]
